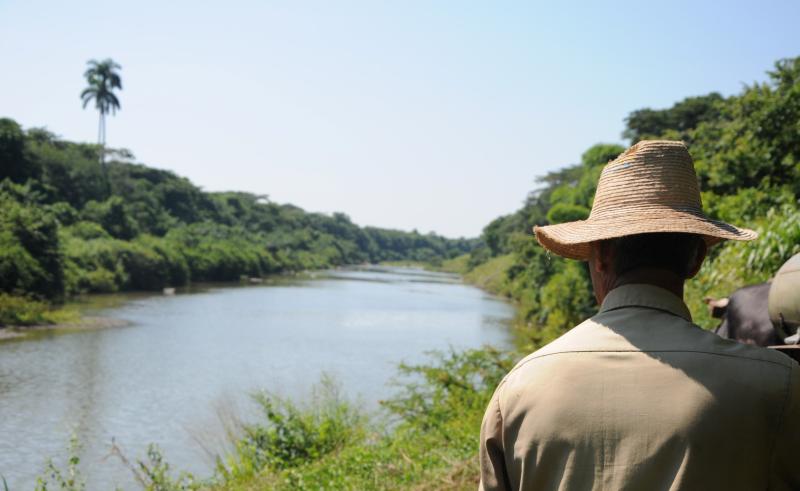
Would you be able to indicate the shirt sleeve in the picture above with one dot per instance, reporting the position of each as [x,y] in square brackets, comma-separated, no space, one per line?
[493,467]
[785,473]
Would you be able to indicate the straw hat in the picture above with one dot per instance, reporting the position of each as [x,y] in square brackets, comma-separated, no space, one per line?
[651,187]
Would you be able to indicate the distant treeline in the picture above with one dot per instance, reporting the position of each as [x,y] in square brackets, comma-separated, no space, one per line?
[747,154]
[70,225]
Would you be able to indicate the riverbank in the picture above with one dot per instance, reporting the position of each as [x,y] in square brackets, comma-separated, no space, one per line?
[489,276]
[430,443]
[22,317]
[437,410]
[432,440]
[84,323]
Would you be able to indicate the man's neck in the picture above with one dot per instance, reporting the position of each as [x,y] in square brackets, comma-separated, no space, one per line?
[656,277]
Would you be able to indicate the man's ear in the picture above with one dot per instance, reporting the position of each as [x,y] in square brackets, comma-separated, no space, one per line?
[699,257]
[601,255]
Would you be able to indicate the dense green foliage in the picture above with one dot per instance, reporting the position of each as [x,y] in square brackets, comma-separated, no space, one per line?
[292,435]
[747,155]
[64,232]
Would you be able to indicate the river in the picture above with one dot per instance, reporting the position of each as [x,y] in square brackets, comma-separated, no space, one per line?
[183,365]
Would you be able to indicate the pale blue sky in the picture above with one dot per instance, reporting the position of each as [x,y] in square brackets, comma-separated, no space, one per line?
[408,114]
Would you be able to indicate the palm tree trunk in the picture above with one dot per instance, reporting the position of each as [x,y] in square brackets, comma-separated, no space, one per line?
[101,139]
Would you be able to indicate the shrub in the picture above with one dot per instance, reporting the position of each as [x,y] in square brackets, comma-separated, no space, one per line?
[114,216]
[565,212]
[292,435]
[68,479]
[153,474]
[21,311]
[30,259]
[453,383]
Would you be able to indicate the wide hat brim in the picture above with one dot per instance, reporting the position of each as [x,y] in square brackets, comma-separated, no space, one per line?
[572,239]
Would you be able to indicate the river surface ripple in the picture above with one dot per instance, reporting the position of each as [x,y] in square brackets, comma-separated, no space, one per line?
[185,364]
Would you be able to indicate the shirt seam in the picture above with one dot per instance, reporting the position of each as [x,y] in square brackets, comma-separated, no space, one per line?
[646,351]
[660,309]
[506,474]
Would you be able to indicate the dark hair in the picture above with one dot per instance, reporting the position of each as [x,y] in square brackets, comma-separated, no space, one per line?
[672,251]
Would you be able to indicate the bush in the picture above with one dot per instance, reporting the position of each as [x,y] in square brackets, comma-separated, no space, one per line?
[293,435]
[154,473]
[114,216]
[21,311]
[565,212]
[87,231]
[68,479]
[30,258]
[429,444]
[453,383]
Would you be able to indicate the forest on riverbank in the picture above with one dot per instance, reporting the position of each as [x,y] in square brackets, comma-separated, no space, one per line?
[746,149]
[71,225]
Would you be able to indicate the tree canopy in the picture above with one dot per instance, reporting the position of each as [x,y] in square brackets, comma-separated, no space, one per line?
[102,78]
[63,233]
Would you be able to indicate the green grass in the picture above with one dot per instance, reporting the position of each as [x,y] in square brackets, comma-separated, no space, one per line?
[458,265]
[491,275]
[409,264]
[25,311]
[429,442]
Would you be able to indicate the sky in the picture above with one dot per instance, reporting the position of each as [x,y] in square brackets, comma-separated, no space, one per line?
[428,115]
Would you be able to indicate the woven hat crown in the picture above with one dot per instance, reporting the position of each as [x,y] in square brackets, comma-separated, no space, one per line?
[648,177]
[650,188]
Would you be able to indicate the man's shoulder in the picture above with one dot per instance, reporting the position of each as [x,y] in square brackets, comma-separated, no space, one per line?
[653,331]
[569,342]
[657,334]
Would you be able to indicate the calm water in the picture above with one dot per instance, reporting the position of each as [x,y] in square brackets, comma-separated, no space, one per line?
[185,360]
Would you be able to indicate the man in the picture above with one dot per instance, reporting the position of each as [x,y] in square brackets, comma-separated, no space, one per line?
[638,397]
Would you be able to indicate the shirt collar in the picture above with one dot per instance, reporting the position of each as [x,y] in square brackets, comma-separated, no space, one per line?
[644,295]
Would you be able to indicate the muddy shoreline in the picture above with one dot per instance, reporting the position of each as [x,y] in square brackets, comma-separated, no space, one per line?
[85,323]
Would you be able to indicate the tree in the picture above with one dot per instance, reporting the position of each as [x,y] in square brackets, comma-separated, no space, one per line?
[12,145]
[682,117]
[102,79]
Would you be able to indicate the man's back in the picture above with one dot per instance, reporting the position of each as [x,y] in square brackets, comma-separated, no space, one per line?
[638,397]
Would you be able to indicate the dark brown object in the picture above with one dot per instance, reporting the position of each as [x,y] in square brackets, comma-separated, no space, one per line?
[790,350]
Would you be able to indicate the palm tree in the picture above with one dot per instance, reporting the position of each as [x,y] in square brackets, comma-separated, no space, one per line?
[103,79]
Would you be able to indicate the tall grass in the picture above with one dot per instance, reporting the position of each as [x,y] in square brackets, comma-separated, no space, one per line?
[25,311]
[429,440]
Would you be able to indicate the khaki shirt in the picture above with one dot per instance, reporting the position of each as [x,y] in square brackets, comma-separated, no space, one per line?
[639,398]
